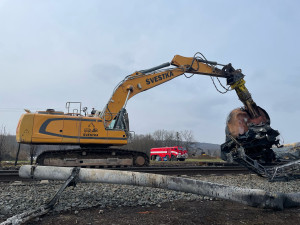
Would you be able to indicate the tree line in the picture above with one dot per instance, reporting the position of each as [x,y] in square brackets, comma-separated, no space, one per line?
[9,147]
[140,142]
[160,138]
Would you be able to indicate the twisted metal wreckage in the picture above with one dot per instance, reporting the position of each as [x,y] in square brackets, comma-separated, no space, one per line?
[251,197]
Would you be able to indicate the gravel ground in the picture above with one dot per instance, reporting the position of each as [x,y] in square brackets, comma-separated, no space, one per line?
[253,181]
[179,212]
[17,197]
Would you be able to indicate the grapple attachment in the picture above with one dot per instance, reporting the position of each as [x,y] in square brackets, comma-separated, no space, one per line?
[253,134]
[249,142]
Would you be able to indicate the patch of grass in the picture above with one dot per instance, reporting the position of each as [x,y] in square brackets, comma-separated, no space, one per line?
[188,161]
[205,160]
[11,164]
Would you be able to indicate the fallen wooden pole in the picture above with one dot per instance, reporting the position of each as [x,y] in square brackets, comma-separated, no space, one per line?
[251,197]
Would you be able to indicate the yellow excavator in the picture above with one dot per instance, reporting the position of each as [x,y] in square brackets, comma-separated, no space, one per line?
[248,131]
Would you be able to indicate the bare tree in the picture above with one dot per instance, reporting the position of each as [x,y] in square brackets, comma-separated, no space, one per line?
[167,138]
[160,138]
[141,143]
[3,136]
[188,137]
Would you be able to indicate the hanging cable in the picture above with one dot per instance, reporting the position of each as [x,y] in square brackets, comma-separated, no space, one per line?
[199,55]
[222,92]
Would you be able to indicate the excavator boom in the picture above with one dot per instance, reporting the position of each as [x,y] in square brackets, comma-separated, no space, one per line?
[143,80]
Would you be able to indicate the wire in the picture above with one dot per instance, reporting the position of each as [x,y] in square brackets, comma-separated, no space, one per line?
[225,88]
[194,58]
[110,113]
[222,92]
[228,89]
[188,76]
[202,57]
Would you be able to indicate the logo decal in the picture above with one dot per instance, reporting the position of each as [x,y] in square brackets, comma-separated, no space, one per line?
[159,77]
[90,131]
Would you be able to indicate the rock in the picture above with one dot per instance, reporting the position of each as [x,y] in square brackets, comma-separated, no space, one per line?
[44,182]
[17,182]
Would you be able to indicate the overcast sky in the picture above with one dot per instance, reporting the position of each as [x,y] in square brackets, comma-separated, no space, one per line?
[52,52]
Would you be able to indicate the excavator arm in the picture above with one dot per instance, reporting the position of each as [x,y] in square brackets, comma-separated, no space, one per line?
[143,80]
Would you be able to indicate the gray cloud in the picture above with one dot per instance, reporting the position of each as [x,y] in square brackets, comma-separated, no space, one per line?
[57,51]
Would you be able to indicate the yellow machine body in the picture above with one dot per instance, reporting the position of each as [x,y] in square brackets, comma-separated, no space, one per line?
[59,128]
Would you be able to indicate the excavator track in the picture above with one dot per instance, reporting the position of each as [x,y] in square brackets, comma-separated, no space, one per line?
[93,158]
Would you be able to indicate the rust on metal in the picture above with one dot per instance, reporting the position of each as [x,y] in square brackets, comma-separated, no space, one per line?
[239,120]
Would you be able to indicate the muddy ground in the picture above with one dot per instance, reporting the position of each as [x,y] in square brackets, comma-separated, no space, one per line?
[177,212]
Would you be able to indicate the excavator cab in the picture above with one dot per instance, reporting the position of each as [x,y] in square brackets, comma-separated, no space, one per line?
[120,121]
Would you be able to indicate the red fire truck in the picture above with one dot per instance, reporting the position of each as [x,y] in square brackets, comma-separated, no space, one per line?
[176,153]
